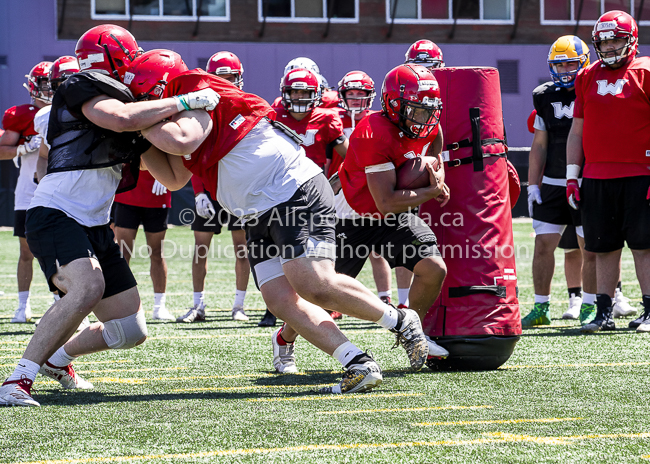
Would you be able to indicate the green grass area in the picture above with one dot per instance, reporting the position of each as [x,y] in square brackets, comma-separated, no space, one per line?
[206,393]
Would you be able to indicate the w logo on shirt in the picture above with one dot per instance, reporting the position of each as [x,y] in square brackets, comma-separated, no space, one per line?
[310,137]
[605,87]
[562,111]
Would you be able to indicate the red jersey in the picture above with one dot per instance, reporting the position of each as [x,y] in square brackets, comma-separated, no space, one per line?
[235,115]
[20,119]
[346,119]
[615,106]
[143,196]
[320,130]
[376,141]
[197,185]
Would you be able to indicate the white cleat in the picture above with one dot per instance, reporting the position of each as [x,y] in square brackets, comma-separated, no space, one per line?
[17,393]
[622,306]
[22,315]
[284,361]
[412,338]
[238,314]
[194,314]
[436,350]
[66,376]
[575,302]
[161,314]
[357,378]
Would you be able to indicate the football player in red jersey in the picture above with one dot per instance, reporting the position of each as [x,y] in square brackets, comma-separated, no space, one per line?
[425,53]
[212,217]
[93,133]
[287,207]
[21,141]
[329,97]
[613,198]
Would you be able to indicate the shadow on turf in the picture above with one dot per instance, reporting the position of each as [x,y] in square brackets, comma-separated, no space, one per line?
[570,332]
[22,332]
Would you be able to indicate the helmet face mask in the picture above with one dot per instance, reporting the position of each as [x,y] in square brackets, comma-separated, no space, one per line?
[300,79]
[609,27]
[567,56]
[38,82]
[364,91]
[410,98]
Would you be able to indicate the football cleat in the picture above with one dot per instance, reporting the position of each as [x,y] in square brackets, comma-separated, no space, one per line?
[22,315]
[268,320]
[194,314]
[587,313]
[622,306]
[238,314]
[385,299]
[412,338]
[357,378]
[336,315]
[284,361]
[435,350]
[162,314]
[17,393]
[66,376]
[573,312]
[540,315]
[644,319]
[402,306]
[602,321]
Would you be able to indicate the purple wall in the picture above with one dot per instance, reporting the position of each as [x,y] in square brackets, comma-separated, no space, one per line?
[264,63]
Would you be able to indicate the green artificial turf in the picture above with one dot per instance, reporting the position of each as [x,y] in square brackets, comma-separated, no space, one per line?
[206,392]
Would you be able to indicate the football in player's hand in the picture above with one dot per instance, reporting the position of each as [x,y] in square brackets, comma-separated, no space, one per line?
[413,174]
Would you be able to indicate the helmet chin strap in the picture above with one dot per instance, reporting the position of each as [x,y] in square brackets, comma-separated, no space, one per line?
[116,75]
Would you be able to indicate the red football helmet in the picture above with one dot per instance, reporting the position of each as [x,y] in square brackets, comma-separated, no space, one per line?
[38,82]
[300,79]
[107,48]
[357,80]
[425,53]
[410,97]
[616,24]
[149,73]
[61,69]
[226,63]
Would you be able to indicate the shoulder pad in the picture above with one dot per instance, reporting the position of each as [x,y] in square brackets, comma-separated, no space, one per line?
[546,87]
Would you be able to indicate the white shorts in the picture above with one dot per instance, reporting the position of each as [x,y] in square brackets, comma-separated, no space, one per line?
[542,228]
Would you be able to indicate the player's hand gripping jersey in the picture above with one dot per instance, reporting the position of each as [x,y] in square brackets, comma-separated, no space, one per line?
[615,106]
[376,145]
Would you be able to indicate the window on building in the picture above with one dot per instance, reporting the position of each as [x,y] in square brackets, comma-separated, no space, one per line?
[161,10]
[444,11]
[308,10]
[557,12]
[509,75]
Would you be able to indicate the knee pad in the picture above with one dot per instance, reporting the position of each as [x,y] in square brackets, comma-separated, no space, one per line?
[125,333]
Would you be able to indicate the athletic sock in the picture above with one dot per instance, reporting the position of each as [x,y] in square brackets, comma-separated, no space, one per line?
[403,296]
[281,341]
[60,358]
[56,296]
[389,318]
[158,300]
[542,298]
[23,299]
[575,291]
[25,368]
[346,353]
[199,299]
[588,298]
[388,293]
[239,298]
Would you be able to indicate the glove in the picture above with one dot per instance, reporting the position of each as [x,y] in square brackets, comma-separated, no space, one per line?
[534,196]
[204,206]
[206,99]
[30,146]
[158,188]
[573,193]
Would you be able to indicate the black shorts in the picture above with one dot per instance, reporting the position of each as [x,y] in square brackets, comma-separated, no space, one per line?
[55,238]
[19,222]
[112,215]
[216,222]
[555,208]
[569,240]
[403,240]
[615,211]
[302,226]
[130,217]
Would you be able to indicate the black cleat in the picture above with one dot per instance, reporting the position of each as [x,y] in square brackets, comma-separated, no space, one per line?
[603,319]
[268,320]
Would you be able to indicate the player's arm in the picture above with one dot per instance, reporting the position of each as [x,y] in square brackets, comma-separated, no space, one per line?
[537,157]
[8,144]
[182,134]
[117,116]
[167,169]
[342,148]
[388,200]
[41,163]
[574,153]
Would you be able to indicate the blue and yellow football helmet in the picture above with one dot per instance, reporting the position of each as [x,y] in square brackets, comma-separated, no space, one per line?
[568,48]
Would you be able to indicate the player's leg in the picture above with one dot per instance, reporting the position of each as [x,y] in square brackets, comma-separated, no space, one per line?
[589,289]
[381,275]
[24,274]
[404,279]
[127,221]
[572,271]
[154,221]
[242,272]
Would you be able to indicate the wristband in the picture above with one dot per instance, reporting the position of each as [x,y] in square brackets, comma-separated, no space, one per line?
[181,104]
[572,171]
